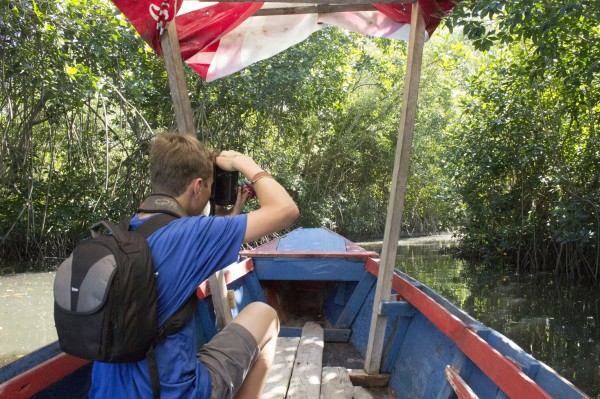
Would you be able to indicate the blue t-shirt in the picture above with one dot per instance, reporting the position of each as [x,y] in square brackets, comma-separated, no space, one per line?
[185,253]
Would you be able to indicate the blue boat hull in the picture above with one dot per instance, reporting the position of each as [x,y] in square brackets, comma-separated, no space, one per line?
[431,350]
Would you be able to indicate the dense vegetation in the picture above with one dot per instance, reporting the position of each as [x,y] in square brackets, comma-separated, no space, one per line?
[526,148]
[506,146]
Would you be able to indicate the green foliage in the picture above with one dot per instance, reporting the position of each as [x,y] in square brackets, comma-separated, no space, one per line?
[82,96]
[323,116]
[526,149]
[72,146]
[505,145]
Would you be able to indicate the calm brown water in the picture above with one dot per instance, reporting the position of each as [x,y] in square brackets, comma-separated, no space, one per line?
[556,322]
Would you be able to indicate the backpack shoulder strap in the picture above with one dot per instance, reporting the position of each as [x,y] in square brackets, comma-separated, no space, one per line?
[146,229]
[167,209]
[153,372]
[178,319]
[173,324]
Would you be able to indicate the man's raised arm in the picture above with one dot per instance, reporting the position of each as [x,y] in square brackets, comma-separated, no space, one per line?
[277,209]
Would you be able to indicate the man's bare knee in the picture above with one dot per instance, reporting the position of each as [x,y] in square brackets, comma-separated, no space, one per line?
[262,308]
[260,320]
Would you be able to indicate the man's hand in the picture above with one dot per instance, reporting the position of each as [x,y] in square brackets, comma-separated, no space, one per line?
[241,199]
[225,160]
[277,209]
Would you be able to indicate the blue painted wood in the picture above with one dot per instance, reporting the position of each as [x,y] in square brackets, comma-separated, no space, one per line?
[397,308]
[246,290]
[415,351]
[336,301]
[329,334]
[340,293]
[483,332]
[481,384]
[418,371]
[318,239]
[401,312]
[358,297]
[554,384]
[254,289]
[509,349]
[321,269]
[535,370]
[465,368]
[446,304]
[362,322]
[393,344]
[28,362]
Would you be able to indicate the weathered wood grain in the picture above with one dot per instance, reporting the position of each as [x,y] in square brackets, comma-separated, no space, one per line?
[336,384]
[399,180]
[361,393]
[306,376]
[218,289]
[280,373]
[361,378]
[179,94]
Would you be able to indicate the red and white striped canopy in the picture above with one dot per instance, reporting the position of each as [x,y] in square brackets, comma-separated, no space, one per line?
[218,39]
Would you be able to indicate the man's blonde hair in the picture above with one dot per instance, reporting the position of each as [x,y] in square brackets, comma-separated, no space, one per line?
[175,160]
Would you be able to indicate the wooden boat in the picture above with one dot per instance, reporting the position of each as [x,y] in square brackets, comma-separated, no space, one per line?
[351,326]
[323,287]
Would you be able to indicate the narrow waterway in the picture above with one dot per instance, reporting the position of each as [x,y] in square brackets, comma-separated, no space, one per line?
[555,322]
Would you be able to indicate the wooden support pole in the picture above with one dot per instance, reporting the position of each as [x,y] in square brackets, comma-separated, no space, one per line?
[185,125]
[181,102]
[400,177]
[220,301]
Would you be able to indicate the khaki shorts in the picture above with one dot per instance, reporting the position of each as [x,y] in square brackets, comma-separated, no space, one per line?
[228,357]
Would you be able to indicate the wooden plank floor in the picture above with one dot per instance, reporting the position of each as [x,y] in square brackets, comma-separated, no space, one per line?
[335,383]
[281,370]
[306,376]
[297,372]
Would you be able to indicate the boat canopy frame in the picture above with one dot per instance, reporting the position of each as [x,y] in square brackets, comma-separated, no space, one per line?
[315,6]
[185,124]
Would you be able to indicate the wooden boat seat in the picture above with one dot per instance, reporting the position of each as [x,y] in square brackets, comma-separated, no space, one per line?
[297,372]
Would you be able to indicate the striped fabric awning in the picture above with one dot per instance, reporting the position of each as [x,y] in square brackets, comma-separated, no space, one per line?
[218,39]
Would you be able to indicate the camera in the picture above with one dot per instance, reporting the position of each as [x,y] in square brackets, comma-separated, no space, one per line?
[224,187]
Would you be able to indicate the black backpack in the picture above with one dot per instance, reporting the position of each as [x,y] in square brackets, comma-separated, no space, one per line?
[105,294]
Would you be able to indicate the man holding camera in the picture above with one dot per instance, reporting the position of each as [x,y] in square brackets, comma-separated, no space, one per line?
[185,253]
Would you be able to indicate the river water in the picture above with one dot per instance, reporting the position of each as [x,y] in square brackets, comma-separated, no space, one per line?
[556,323]
[26,313]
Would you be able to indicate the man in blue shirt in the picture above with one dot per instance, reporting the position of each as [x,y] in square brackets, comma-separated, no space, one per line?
[185,253]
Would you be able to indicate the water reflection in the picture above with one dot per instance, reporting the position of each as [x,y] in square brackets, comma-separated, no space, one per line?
[549,318]
[26,314]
